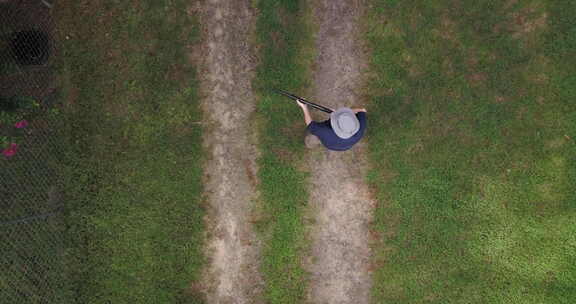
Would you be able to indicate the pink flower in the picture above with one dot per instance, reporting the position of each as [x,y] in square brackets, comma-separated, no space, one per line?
[21,124]
[10,151]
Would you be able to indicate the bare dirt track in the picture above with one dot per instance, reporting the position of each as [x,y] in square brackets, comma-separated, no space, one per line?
[339,195]
[227,67]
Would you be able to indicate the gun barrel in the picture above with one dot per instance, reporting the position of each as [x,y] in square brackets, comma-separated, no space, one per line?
[302,100]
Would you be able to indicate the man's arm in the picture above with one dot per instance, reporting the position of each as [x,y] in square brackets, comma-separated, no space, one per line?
[307,116]
[356,110]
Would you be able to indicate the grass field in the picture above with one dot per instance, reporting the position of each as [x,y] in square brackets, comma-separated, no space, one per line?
[474,156]
[134,171]
[472,143]
[283,33]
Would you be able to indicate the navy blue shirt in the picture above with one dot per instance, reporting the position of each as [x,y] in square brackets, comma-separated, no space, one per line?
[330,140]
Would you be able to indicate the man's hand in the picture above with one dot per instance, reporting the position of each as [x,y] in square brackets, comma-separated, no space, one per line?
[302,105]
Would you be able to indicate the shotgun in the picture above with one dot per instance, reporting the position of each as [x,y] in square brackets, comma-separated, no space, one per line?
[302,100]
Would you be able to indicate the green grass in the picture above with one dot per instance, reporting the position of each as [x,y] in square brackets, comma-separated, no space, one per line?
[134,192]
[474,153]
[282,32]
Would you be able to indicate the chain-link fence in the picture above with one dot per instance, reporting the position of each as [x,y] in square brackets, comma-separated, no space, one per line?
[32,241]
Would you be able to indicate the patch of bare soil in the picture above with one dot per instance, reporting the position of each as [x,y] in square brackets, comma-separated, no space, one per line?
[526,25]
[339,194]
[228,64]
[527,21]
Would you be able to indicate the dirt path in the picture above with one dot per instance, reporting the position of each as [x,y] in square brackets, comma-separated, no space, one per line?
[340,198]
[228,64]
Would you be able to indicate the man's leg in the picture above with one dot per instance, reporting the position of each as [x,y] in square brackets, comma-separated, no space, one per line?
[312,141]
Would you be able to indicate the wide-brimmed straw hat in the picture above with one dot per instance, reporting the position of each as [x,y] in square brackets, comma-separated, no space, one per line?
[344,122]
